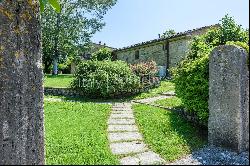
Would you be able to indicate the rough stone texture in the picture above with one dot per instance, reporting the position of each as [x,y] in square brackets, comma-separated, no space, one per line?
[228,124]
[127,147]
[129,161]
[154,52]
[21,90]
[124,136]
[117,128]
[145,158]
[124,115]
[178,50]
[122,112]
[149,158]
[121,121]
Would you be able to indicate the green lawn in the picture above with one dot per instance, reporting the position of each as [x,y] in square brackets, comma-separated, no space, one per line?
[172,102]
[166,133]
[165,86]
[59,81]
[76,133]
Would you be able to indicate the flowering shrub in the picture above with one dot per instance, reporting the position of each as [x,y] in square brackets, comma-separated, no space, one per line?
[146,71]
[144,68]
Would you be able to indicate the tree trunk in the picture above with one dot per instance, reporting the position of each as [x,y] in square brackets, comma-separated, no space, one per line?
[46,67]
[56,51]
[55,68]
[21,90]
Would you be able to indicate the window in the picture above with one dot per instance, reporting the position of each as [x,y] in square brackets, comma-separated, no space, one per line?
[137,54]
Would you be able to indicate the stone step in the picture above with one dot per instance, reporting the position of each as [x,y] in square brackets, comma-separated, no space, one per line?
[145,158]
[125,115]
[124,136]
[121,121]
[124,148]
[121,109]
[112,128]
[122,112]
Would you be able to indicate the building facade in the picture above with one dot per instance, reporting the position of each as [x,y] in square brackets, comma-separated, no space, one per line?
[166,52]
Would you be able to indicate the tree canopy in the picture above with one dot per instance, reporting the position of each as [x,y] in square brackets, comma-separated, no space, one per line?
[64,34]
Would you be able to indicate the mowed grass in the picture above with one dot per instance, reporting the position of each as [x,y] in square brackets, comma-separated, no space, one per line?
[173,102]
[76,133]
[166,133]
[59,81]
[165,86]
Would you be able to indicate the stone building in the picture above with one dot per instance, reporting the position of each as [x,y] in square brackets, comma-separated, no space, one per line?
[166,52]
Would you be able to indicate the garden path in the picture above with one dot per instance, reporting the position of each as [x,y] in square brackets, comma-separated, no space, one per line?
[125,139]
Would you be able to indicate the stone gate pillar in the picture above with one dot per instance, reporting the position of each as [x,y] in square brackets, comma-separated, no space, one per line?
[21,86]
[228,124]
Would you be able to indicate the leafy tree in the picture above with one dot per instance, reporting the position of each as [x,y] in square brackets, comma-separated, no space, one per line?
[168,33]
[68,32]
[102,54]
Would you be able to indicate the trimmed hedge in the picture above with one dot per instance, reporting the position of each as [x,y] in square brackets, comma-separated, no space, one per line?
[104,78]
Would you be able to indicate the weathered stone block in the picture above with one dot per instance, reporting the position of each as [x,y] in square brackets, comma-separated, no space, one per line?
[228,124]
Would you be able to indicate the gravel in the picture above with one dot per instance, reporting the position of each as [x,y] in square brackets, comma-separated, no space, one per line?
[211,155]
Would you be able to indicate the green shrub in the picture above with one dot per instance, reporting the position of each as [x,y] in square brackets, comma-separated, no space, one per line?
[238,43]
[191,76]
[102,54]
[104,78]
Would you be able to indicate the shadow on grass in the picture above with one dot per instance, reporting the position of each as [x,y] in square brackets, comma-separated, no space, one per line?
[195,135]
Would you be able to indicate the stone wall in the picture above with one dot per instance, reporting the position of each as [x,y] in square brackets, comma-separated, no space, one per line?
[228,123]
[177,50]
[152,52]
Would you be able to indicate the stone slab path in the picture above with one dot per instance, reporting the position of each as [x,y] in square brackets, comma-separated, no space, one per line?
[152,99]
[125,140]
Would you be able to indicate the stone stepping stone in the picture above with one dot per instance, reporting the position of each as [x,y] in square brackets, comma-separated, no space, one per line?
[116,116]
[125,139]
[122,112]
[145,158]
[121,121]
[122,128]
[124,136]
[121,109]
[151,100]
[124,148]
[171,93]
[150,158]
[129,161]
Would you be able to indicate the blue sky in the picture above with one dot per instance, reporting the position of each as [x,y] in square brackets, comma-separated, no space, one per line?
[133,21]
